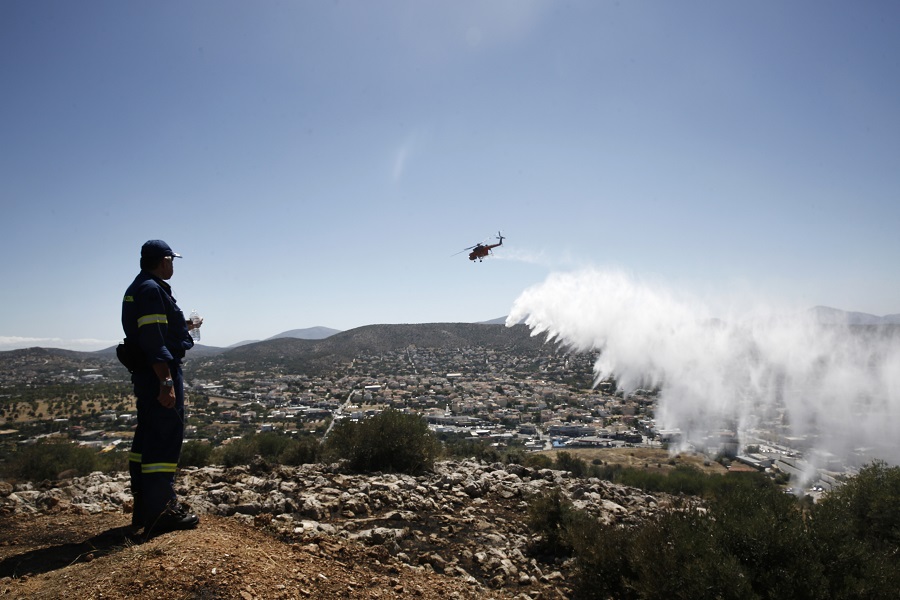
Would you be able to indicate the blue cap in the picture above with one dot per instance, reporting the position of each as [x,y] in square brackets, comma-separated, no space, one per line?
[157,249]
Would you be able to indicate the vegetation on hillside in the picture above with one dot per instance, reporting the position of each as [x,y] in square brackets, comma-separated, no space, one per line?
[740,538]
[52,458]
[269,447]
[750,540]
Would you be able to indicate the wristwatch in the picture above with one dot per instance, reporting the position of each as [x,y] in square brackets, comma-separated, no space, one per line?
[168,382]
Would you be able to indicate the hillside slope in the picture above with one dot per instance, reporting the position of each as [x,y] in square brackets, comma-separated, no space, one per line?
[70,555]
[301,532]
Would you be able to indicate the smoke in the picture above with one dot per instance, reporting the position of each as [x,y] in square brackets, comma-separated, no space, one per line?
[769,376]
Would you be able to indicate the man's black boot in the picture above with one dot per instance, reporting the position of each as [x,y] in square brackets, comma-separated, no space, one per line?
[175,517]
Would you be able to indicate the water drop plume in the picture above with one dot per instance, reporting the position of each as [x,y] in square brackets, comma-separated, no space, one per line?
[766,374]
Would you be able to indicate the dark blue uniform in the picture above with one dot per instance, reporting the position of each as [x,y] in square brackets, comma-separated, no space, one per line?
[152,319]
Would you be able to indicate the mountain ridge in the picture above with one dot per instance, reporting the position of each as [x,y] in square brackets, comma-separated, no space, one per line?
[316,355]
[835,316]
[823,314]
[303,355]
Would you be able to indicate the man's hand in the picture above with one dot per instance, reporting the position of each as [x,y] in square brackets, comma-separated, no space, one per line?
[166,396]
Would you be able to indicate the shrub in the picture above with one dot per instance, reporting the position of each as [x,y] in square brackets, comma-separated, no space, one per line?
[677,556]
[538,461]
[460,446]
[390,441]
[270,445]
[870,504]
[688,479]
[573,464]
[752,541]
[651,482]
[195,454]
[109,462]
[514,456]
[300,452]
[602,568]
[605,471]
[673,555]
[762,529]
[855,528]
[549,515]
[236,452]
[47,459]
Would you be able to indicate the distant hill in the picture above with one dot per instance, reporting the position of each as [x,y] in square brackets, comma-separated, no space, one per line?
[835,316]
[497,321]
[323,346]
[47,354]
[307,355]
[198,351]
[314,355]
[310,333]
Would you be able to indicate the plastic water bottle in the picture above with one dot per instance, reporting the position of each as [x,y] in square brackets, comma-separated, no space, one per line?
[195,319]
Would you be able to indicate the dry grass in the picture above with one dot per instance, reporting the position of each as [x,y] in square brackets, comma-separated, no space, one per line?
[21,411]
[655,459]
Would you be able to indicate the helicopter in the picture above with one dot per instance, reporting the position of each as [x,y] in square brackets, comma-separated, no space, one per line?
[480,251]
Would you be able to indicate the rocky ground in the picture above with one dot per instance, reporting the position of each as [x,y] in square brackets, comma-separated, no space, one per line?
[299,532]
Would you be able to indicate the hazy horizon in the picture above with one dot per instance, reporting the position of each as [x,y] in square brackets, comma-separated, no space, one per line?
[93,345]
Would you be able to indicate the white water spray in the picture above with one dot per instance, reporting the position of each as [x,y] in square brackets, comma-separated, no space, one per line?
[828,388]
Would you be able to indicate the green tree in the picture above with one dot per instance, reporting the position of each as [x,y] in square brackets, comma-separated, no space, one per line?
[855,530]
[389,441]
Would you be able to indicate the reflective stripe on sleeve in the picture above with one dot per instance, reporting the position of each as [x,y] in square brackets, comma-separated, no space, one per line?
[152,319]
[134,457]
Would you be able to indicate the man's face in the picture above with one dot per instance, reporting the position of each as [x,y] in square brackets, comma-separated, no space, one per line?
[167,268]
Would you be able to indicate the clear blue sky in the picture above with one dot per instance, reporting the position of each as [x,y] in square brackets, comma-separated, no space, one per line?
[319,163]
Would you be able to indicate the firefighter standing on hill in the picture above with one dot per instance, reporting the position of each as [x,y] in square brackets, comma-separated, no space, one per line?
[153,323]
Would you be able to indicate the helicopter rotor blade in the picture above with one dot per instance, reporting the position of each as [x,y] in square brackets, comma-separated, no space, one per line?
[463,250]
